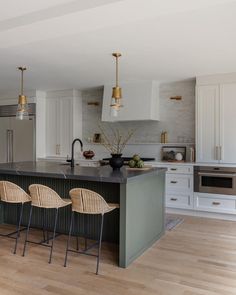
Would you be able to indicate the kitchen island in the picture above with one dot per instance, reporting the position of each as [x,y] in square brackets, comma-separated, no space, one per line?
[135,226]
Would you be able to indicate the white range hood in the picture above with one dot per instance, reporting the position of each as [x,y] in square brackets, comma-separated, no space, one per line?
[140,100]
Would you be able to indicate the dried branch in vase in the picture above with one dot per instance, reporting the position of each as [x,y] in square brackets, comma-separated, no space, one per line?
[114,141]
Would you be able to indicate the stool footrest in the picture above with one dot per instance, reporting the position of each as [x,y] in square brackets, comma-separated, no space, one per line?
[9,235]
[82,252]
[42,242]
[85,250]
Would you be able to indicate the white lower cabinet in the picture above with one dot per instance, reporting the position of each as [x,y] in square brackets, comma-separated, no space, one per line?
[215,203]
[179,190]
[179,183]
[179,186]
[183,201]
[180,195]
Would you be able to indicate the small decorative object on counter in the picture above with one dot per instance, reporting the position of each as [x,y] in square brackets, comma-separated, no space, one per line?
[136,162]
[115,141]
[178,157]
[116,161]
[164,137]
[173,153]
[97,137]
[192,154]
[88,154]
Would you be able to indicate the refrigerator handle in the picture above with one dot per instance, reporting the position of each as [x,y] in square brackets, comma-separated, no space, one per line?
[9,145]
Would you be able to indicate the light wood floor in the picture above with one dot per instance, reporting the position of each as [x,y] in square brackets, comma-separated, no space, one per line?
[197,257]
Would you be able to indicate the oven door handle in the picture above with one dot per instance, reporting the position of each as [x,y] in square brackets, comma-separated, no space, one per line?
[217,174]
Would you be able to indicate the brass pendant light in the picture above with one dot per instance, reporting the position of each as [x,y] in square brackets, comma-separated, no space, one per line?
[22,112]
[116,91]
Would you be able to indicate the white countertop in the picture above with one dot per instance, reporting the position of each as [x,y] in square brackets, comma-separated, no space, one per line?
[163,164]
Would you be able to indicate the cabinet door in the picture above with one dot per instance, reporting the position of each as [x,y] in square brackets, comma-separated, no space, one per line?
[65,126]
[228,123]
[4,126]
[52,120]
[207,123]
[23,139]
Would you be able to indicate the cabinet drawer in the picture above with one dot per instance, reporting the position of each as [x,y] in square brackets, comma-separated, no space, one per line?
[179,201]
[223,204]
[180,169]
[179,183]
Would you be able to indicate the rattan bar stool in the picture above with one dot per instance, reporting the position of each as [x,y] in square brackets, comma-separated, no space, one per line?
[12,193]
[88,202]
[46,198]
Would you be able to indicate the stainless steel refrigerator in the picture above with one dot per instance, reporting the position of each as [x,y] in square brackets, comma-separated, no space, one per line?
[17,137]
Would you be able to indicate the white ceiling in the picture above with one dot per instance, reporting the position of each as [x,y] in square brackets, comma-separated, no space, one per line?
[68,44]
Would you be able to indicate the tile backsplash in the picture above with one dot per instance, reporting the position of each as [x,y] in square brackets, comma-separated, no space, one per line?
[177,118]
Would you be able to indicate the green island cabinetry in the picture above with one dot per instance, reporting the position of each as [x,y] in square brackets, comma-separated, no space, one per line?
[135,226]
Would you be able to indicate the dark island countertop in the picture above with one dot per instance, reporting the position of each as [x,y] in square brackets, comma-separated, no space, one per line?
[57,170]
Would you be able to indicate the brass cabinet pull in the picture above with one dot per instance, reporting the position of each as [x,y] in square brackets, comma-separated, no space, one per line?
[217,153]
[173,199]
[174,181]
[216,203]
[57,149]
[220,153]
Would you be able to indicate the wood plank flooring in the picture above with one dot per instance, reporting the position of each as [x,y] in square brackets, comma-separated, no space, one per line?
[197,257]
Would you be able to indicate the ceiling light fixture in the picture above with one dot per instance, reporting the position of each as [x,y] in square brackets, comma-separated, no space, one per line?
[116,91]
[22,112]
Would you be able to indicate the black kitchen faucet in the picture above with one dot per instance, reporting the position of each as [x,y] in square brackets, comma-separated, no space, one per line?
[72,160]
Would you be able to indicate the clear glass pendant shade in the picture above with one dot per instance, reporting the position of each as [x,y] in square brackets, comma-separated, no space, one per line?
[22,112]
[115,106]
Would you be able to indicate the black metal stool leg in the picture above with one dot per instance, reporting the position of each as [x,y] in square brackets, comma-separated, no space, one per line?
[18,228]
[27,232]
[77,235]
[85,232]
[100,244]
[44,237]
[54,234]
[69,236]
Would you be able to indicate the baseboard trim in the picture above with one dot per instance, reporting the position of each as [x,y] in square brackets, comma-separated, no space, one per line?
[188,212]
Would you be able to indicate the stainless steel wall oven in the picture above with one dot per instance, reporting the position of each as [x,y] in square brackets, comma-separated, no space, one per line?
[215,180]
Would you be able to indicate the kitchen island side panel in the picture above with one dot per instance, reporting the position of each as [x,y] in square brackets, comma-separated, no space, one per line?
[142,215]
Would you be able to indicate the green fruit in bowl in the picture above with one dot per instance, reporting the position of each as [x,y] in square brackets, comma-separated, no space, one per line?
[132,163]
[140,164]
[136,158]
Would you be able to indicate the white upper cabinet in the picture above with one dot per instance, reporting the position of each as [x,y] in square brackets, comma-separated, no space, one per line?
[140,102]
[59,126]
[228,123]
[216,120]
[207,122]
